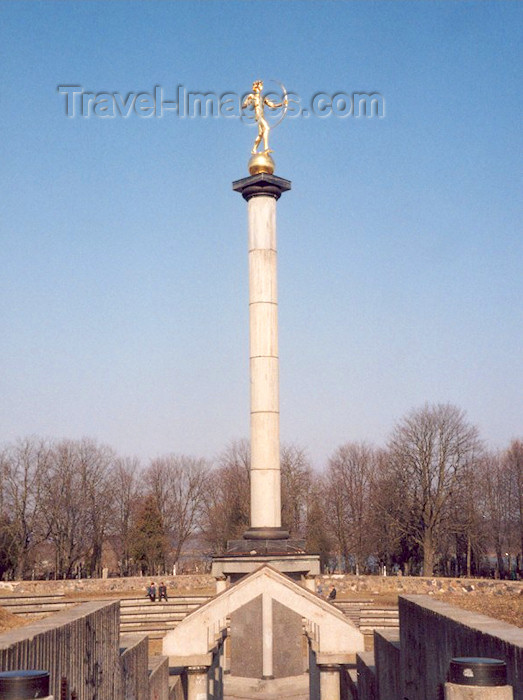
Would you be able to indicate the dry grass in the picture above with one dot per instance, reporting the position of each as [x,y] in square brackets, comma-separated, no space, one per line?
[8,621]
[508,607]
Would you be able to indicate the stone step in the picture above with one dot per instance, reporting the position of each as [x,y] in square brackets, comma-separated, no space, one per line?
[173,600]
[143,625]
[146,609]
[22,601]
[153,614]
[26,610]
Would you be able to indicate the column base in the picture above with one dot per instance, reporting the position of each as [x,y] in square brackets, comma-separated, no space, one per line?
[266,533]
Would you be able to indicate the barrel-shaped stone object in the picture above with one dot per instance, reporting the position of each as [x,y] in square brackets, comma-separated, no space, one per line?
[21,685]
[474,678]
[478,671]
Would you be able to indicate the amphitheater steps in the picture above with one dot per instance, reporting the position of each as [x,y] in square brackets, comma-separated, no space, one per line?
[139,615]
[368,616]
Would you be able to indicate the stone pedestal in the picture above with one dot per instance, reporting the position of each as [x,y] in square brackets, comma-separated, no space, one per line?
[197,682]
[245,556]
[453,691]
[329,682]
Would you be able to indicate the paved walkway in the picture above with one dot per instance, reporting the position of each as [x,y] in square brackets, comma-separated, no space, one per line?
[293,688]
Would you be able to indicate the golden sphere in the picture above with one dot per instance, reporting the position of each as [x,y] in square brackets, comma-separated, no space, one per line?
[261,163]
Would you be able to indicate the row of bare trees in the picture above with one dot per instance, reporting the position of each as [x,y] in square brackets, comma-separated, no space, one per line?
[62,503]
[433,500]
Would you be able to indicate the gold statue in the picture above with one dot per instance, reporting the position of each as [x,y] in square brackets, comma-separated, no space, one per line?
[261,161]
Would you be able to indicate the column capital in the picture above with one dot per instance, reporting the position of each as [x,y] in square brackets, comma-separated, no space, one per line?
[329,667]
[261,184]
[197,670]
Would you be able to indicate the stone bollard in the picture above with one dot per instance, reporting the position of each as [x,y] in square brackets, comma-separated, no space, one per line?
[477,679]
[197,682]
[21,685]
[221,583]
[310,582]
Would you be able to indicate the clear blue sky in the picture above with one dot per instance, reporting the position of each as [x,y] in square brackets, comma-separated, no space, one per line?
[123,293]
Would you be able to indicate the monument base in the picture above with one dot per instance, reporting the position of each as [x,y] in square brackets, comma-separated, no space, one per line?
[245,556]
[265,533]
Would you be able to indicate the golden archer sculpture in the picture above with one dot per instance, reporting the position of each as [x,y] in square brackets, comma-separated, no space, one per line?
[261,161]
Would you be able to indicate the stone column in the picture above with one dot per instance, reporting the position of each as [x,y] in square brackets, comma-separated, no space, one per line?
[261,191]
[197,682]
[329,681]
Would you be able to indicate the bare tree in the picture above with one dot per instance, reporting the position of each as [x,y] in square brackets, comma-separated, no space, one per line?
[350,474]
[296,477]
[177,484]
[24,469]
[499,505]
[390,524]
[466,522]
[126,490]
[227,496]
[430,450]
[96,463]
[65,511]
[318,536]
[513,459]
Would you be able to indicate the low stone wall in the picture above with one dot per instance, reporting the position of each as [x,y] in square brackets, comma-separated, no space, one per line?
[417,585]
[205,583]
[176,585]
[80,644]
[433,632]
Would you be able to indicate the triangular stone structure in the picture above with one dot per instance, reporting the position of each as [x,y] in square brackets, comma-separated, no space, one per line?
[332,637]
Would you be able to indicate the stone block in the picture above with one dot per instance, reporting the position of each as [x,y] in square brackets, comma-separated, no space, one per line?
[79,644]
[366,671]
[158,668]
[388,663]
[134,650]
[432,633]
[287,626]
[467,692]
[246,640]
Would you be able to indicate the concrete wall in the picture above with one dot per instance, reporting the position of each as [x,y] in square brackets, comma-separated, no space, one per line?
[80,644]
[366,673]
[432,633]
[388,663]
[348,684]
[158,667]
[215,674]
[176,691]
[134,672]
